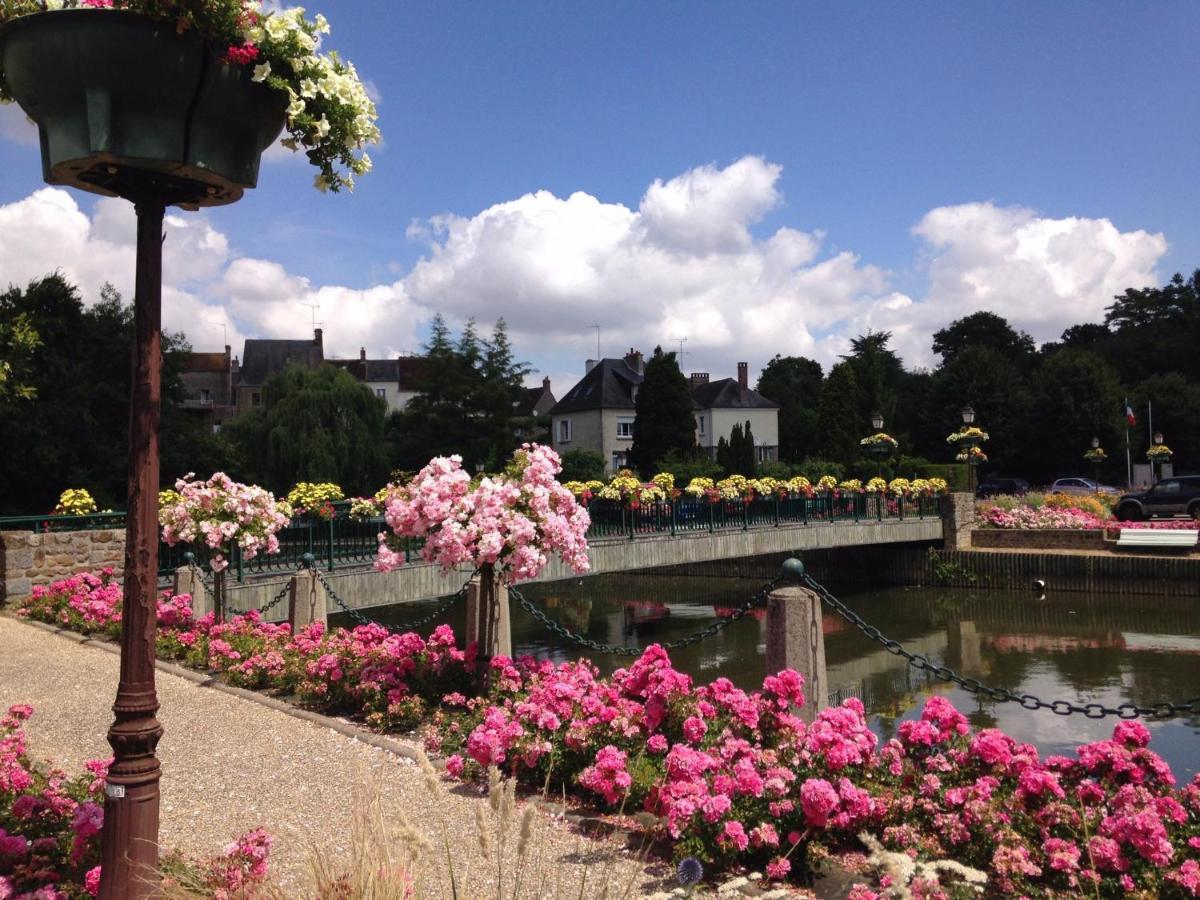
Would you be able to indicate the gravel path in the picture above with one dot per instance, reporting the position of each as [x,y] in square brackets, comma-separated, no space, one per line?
[231,764]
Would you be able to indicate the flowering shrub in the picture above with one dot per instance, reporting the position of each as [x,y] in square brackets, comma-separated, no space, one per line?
[877,486]
[1158,453]
[310,497]
[1060,511]
[1089,503]
[74,502]
[220,511]
[627,488]
[851,486]
[365,508]
[329,113]
[512,521]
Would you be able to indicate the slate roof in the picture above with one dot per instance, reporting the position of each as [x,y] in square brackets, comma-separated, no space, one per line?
[726,394]
[205,362]
[264,357]
[533,398]
[370,369]
[609,385]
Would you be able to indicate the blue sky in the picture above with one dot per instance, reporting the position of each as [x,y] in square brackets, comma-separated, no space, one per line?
[823,169]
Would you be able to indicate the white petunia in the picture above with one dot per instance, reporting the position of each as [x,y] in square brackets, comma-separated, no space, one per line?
[261,72]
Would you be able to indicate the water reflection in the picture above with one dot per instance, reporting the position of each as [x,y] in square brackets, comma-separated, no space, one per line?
[1100,649]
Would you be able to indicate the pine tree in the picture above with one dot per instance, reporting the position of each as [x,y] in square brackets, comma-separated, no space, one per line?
[747,464]
[665,420]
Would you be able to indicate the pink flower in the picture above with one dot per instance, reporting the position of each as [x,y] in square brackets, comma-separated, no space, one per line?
[818,799]
[91,881]
[454,765]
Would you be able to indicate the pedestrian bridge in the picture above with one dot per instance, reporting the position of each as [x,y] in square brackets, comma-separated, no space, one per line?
[624,552]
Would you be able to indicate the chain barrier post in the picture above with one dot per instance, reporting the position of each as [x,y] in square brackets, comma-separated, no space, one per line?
[306,596]
[796,640]
[488,625]
[188,580]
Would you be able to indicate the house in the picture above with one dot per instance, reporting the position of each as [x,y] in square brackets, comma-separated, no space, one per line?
[263,358]
[598,413]
[722,404]
[536,401]
[392,380]
[208,385]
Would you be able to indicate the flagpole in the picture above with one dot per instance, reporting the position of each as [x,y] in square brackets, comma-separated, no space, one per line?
[1128,458]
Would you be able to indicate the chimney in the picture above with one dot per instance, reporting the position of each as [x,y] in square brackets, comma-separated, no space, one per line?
[362,354]
[589,365]
[696,379]
[317,337]
[546,383]
[634,360]
[744,376]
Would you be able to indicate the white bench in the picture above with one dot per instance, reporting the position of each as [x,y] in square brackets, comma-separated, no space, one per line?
[1149,538]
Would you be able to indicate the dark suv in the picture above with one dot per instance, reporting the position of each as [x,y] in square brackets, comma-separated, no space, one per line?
[990,487]
[1169,497]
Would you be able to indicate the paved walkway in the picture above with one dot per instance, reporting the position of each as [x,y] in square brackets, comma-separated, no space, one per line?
[231,764]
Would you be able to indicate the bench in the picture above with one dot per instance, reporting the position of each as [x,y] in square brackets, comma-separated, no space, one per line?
[1148,538]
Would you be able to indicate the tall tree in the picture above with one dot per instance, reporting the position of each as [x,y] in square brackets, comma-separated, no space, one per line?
[664,420]
[316,425]
[983,329]
[794,382]
[1077,397]
[840,414]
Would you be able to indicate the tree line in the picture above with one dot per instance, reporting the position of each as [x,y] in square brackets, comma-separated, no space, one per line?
[66,369]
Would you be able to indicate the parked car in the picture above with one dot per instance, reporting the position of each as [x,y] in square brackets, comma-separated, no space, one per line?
[1170,497]
[1078,485]
[991,486]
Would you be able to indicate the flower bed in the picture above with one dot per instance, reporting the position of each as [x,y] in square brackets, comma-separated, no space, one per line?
[1058,517]
[50,825]
[736,777]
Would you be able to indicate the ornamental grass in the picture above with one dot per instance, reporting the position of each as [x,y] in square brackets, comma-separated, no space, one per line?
[732,778]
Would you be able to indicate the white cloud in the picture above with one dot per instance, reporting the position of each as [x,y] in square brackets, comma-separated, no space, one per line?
[685,263]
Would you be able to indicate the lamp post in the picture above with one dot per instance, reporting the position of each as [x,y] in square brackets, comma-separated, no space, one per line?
[1096,457]
[968,419]
[879,450]
[1155,464]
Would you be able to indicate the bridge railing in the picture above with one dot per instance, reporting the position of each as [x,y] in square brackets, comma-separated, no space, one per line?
[612,518]
[346,541]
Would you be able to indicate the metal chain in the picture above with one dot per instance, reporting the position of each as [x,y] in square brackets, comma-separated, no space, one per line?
[1002,695]
[703,634]
[395,629]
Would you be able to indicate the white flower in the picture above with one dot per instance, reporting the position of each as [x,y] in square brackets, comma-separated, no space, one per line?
[261,72]
[296,107]
[321,183]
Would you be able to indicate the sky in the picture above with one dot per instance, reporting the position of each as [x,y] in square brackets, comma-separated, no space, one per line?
[757,178]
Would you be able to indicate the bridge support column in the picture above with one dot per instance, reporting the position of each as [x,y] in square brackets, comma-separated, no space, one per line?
[306,600]
[958,520]
[188,581]
[487,619]
[795,640]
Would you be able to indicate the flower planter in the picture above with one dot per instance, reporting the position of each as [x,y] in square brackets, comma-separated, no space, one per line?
[127,106]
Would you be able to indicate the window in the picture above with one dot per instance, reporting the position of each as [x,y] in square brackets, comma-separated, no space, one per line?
[1167,489]
[255,398]
[381,393]
[700,424]
[205,397]
[216,427]
[620,459]
[625,427]
[564,431]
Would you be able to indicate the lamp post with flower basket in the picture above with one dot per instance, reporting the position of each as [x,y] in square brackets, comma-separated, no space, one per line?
[880,444]
[1158,454]
[1096,456]
[966,442]
[163,104]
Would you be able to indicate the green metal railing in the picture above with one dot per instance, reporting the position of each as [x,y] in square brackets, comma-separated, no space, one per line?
[343,541]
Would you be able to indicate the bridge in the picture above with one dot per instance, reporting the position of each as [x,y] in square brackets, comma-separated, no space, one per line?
[641,543]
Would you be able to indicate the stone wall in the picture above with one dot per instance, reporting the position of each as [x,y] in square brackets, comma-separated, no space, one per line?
[28,558]
[1020,539]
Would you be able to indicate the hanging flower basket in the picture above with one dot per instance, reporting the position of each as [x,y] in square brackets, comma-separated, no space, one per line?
[879,444]
[1158,453]
[1095,455]
[119,97]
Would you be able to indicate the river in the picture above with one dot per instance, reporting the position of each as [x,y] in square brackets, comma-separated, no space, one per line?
[1084,649]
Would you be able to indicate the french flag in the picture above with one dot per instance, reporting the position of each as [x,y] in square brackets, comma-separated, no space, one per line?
[1129,416]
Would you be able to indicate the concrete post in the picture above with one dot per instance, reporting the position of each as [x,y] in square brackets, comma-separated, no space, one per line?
[795,641]
[487,617]
[958,520]
[306,600]
[188,581]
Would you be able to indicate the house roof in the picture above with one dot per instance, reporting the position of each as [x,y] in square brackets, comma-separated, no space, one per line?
[726,394]
[409,370]
[609,385]
[205,362]
[263,358]
[532,399]
[369,369]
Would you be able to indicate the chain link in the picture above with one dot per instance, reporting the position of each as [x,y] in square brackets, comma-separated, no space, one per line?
[703,634]
[395,629]
[1001,695]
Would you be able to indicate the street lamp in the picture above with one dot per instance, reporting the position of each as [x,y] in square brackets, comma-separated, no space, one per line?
[968,418]
[878,444]
[877,421]
[968,415]
[1158,438]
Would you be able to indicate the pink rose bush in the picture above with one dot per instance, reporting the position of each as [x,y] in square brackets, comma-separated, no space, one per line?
[734,777]
[220,512]
[512,522]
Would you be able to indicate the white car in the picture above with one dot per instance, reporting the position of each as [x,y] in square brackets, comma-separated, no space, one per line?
[1082,486]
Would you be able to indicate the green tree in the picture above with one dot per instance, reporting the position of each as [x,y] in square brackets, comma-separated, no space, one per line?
[18,341]
[841,413]
[582,465]
[1176,405]
[1077,396]
[665,420]
[794,382]
[316,425]
[747,461]
[983,329]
